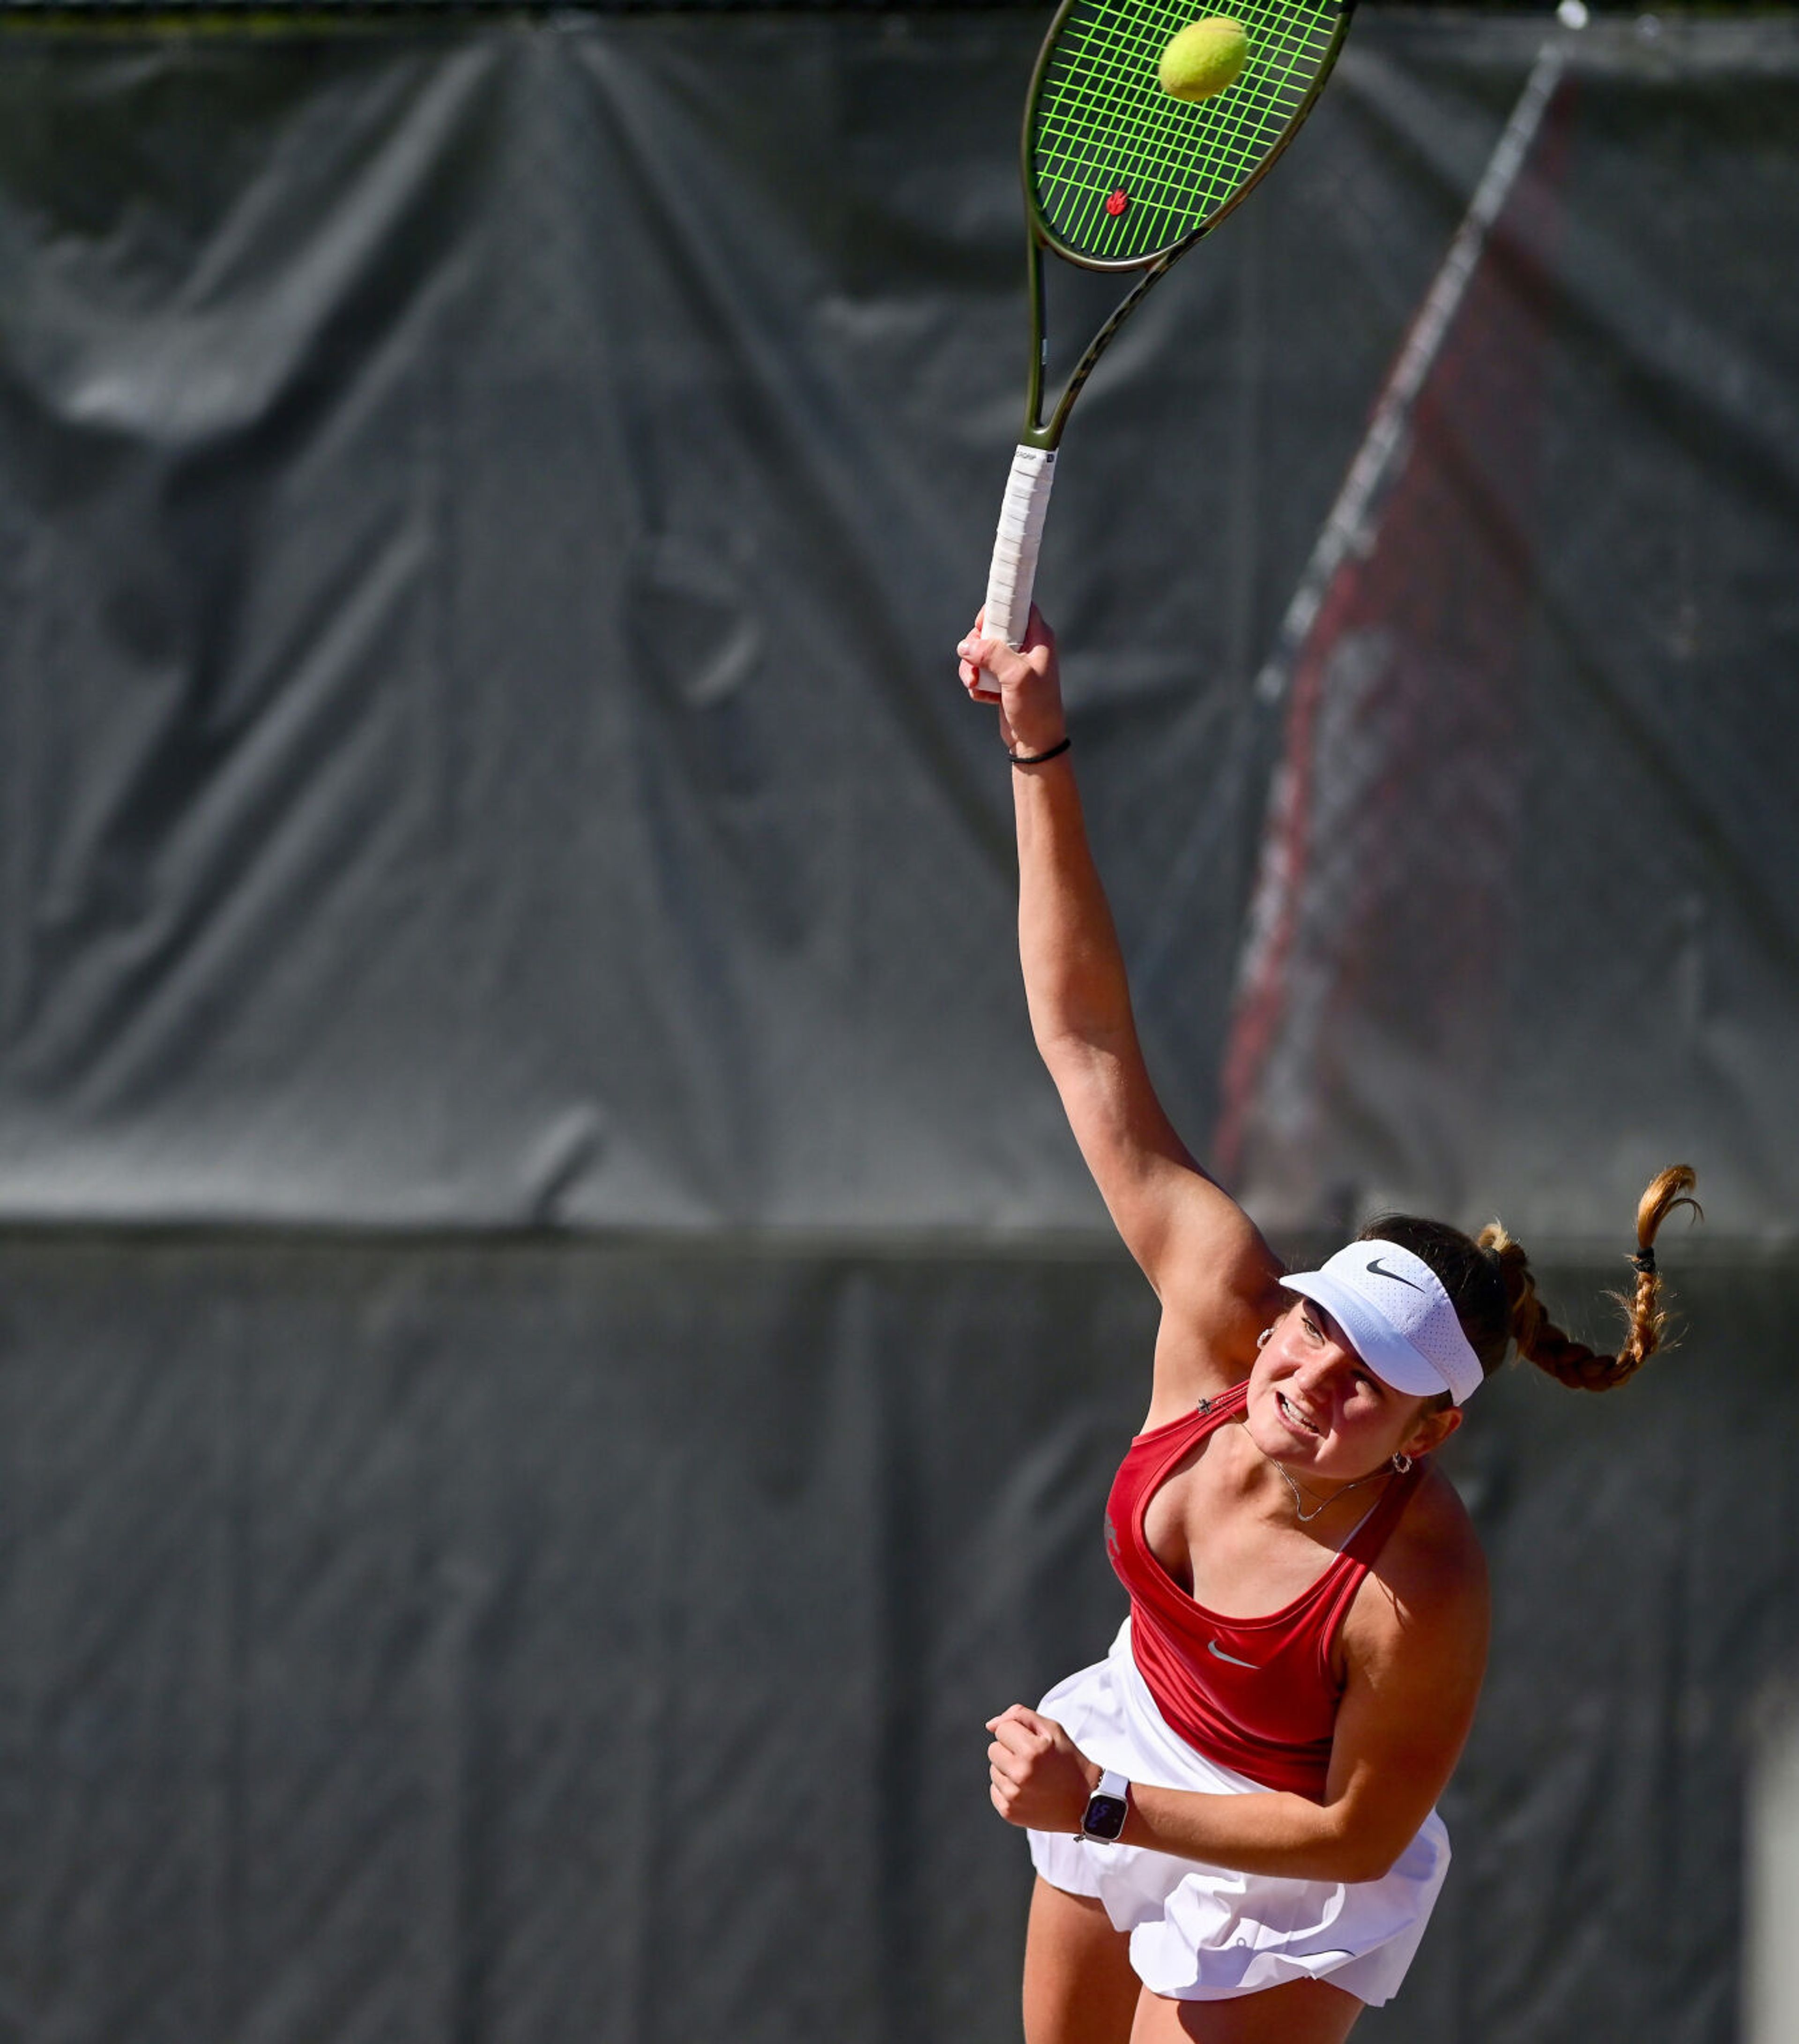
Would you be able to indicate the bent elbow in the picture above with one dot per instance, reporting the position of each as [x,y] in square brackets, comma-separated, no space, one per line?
[1359,1859]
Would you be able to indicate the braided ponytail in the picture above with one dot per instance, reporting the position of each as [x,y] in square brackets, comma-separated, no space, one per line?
[1569,1361]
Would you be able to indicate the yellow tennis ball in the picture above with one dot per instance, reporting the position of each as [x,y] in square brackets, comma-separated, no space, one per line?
[1206,58]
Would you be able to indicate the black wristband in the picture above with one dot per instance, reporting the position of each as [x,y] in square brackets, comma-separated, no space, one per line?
[1037,758]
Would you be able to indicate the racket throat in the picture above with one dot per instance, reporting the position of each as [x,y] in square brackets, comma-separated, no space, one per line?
[1039,433]
[1034,434]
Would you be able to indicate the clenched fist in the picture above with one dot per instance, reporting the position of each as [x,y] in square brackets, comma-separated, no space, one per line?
[1039,1778]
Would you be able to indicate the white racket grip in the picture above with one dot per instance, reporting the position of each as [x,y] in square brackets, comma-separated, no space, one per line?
[1014,568]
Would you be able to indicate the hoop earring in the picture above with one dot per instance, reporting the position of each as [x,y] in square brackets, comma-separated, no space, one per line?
[1402,1463]
[1262,1339]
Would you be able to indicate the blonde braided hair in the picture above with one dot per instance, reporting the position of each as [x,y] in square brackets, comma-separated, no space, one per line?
[1571,1362]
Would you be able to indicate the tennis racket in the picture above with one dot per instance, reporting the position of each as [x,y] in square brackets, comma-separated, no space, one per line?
[1120,174]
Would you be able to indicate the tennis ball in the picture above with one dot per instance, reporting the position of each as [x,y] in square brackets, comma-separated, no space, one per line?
[1206,58]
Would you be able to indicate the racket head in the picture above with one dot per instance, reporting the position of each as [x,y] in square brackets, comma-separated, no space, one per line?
[1097,123]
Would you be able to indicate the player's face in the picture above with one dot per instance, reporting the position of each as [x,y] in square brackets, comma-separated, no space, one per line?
[1313,1402]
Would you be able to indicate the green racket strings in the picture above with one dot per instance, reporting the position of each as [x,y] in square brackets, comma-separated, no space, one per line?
[1102,126]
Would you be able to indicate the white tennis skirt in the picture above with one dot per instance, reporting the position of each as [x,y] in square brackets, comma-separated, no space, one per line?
[1199,1933]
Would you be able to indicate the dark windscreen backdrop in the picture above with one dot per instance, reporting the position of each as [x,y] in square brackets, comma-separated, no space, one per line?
[484,516]
[542,1644]
[484,509]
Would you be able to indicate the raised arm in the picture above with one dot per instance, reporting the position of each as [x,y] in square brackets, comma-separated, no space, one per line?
[1212,1271]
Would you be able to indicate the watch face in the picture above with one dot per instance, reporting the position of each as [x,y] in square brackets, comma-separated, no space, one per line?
[1104,1819]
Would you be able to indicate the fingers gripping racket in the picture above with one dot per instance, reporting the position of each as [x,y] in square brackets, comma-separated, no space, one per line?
[1122,173]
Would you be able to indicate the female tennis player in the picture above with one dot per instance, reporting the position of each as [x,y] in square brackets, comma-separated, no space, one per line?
[1232,1816]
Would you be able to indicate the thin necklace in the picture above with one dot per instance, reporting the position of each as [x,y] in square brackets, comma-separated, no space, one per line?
[1319,1504]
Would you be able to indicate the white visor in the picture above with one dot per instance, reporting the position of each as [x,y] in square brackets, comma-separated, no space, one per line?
[1392,1306]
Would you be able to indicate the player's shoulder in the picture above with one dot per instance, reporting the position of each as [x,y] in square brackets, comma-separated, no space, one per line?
[1432,1571]
[1218,1298]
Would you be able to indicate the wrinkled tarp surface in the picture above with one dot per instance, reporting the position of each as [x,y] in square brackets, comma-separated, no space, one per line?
[484,510]
[435,1642]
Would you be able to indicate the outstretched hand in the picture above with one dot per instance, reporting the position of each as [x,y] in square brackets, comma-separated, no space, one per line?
[1038,1777]
[1026,685]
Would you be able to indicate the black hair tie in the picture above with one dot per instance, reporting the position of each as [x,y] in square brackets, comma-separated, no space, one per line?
[1645,1261]
[1037,758]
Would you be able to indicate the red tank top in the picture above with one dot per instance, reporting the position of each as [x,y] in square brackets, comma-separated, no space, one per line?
[1256,1694]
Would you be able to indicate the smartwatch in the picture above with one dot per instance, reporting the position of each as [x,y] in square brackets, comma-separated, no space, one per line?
[1106,1810]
